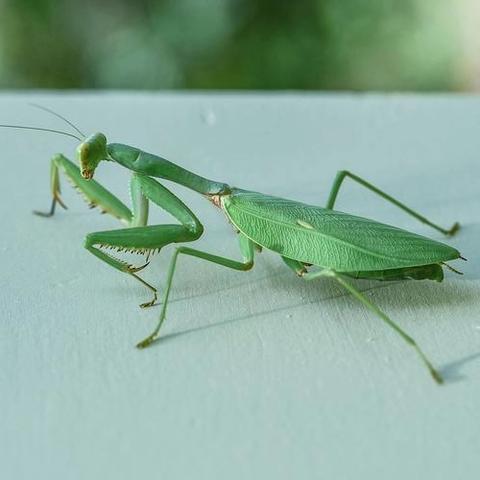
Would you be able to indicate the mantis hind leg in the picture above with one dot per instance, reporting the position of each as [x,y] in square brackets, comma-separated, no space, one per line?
[374,309]
[341,175]
[94,193]
[247,249]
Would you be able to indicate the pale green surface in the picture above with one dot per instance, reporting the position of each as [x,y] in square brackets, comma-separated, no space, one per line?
[260,375]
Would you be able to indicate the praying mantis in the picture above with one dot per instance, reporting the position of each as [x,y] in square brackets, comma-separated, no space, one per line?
[312,241]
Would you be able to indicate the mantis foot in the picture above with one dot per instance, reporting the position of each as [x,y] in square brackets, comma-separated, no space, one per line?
[42,214]
[151,303]
[436,376]
[56,199]
[145,343]
[455,228]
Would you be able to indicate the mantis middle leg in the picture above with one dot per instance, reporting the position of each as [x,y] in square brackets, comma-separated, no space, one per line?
[341,175]
[247,250]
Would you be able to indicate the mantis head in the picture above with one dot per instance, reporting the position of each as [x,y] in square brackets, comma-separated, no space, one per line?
[90,153]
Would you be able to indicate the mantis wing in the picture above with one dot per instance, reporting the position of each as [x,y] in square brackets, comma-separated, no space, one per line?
[328,238]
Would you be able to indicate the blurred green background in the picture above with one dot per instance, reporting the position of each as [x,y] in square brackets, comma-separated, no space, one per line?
[240,44]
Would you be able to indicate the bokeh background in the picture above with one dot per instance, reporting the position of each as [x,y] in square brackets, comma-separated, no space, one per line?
[419,45]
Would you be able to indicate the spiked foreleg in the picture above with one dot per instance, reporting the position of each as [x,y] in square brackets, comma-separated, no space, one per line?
[94,193]
[145,239]
[142,240]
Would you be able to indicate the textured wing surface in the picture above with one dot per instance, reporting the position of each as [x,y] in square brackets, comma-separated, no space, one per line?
[328,238]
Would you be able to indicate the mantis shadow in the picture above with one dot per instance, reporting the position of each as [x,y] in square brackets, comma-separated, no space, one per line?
[425,294]
[285,308]
[451,371]
[424,297]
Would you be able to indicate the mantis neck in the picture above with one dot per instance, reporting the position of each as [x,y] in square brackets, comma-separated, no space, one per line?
[154,166]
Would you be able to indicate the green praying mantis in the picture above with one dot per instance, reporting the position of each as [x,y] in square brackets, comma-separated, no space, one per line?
[312,241]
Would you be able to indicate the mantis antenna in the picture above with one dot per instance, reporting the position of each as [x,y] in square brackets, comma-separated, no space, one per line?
[45,109]
[40,129]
